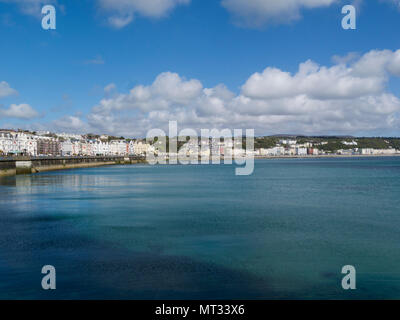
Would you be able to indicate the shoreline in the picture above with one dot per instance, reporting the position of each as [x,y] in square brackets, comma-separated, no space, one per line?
[32,165]
[322,156]
[18,166]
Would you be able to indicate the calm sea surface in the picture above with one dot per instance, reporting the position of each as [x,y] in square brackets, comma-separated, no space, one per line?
[194,232]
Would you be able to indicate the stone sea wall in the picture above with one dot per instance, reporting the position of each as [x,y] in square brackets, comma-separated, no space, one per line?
[28,165]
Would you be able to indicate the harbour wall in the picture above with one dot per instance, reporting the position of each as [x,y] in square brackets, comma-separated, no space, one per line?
[28,165]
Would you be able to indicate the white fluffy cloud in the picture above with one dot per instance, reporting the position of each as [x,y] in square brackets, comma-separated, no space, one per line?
[19,111]
[122,12]
[6,90]
[346,98]
[251,12]
[314,81]
[260,12]
[70,123]
[167,90]
[31,7]
[377,62]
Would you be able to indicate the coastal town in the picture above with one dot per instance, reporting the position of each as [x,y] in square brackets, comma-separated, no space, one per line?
[17,143]
[45,143]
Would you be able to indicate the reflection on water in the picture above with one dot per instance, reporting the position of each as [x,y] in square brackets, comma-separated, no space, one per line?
[201,232]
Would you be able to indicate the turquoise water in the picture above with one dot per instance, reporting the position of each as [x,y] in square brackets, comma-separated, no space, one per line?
[197,232]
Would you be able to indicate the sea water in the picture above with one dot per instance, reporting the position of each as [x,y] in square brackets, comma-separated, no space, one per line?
[200,232]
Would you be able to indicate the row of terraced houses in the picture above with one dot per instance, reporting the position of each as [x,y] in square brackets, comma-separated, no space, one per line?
[25,143]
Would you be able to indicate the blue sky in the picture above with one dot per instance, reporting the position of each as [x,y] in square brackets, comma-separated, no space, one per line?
[62,75]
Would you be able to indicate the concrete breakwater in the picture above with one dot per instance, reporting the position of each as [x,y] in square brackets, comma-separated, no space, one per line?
[28,165]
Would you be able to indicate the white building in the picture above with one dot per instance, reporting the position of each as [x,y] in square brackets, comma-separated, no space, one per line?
[277,151]
[352,143]
[69,136]
[119,148]
[87,148]
[301,151]
[140,148]
[101,148]
[7,143]
[370,151]
[67,148]
[76,148]
[14,143]
[289,142]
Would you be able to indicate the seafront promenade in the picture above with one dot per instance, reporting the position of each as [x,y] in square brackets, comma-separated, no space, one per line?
[10,166]
[322,156]
[27,165]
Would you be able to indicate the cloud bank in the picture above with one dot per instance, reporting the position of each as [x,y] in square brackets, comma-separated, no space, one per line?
[247,13]
[6,90]
[345,98]
[256,13]
[16,111]
[31,7]
[19,111]
[122,12]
